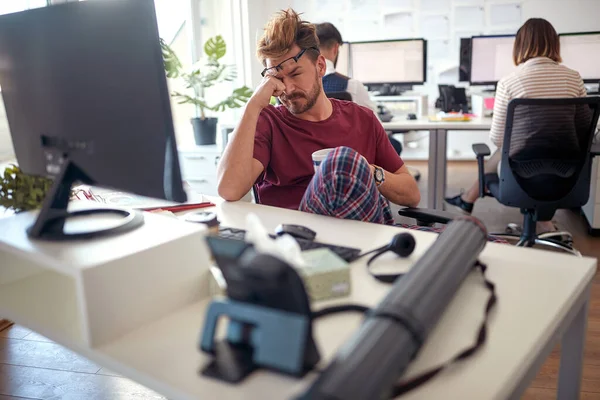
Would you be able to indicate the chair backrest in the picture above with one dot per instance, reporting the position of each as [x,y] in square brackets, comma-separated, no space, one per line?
[340,95]
[546,152]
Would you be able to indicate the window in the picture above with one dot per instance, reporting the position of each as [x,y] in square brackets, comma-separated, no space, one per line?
[11,6]
[7,7]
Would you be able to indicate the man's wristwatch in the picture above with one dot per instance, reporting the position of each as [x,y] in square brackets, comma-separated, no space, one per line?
[379,175]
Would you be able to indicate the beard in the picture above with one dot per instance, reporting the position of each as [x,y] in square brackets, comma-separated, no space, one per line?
[298,102]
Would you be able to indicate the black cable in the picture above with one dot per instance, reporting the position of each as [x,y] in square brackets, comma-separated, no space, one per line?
[339,309]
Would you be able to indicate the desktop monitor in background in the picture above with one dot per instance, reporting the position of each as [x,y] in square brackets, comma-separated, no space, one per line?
[491,58]
[581,52]
[87,101]
[343,61]
[464,62]
[399,62]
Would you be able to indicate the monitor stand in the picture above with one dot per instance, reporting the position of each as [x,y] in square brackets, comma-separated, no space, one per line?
[50,222]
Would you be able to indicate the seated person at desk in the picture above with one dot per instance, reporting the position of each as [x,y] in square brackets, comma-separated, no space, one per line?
[536,52]
[271,147]
[330,40]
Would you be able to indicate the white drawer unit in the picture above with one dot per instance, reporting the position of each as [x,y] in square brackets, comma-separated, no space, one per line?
[591,210]
[199,168]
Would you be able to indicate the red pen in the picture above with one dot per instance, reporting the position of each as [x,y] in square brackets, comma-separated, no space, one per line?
[181,207]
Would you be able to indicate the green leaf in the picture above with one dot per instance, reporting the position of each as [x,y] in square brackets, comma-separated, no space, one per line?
[215,48]
[239,97]
[171,61]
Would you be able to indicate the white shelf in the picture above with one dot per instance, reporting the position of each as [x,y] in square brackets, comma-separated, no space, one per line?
[70,283]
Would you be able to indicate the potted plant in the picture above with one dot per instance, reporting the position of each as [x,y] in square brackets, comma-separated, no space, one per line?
[21,192]
[199,79]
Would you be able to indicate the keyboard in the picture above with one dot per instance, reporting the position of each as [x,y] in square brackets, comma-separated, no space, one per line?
[346,253]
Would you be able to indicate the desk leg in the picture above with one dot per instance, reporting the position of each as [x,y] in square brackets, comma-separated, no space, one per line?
[571,356]
[440,170]
[431,170]
[436,175]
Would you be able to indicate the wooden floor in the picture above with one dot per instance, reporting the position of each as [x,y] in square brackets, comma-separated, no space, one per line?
[32,367]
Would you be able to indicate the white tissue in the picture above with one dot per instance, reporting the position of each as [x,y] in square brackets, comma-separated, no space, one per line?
[284,247]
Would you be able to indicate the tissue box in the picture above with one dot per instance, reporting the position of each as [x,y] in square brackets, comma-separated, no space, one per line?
[326,276]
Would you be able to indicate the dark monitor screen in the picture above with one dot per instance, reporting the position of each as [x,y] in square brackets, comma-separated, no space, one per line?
[84,83]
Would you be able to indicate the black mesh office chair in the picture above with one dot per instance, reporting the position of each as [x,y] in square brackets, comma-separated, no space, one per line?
[546,165]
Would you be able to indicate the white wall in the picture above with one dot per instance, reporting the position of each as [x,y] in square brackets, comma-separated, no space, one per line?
[565,16]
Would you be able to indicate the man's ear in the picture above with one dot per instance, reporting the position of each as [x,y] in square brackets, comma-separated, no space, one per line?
[321,65]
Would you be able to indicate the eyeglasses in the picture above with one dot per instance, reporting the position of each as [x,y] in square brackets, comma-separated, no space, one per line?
[286,64]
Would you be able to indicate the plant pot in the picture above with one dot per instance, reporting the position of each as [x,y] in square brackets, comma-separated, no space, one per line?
[205,130]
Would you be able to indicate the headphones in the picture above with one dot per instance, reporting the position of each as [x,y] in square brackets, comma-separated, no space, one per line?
[403,244]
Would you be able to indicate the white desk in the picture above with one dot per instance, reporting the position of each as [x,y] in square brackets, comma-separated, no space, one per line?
[438,132]
[543,296]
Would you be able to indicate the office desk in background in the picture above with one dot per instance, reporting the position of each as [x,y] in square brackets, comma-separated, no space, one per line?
[438,144]
[542,296]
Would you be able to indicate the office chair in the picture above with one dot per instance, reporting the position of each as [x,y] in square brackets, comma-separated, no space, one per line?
[339,95]
[546,165]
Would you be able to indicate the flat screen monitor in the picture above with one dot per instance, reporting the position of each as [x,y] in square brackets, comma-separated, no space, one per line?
[86,100]
[343,61]
[491,58]
[464,62]
[389,61]
[581,52]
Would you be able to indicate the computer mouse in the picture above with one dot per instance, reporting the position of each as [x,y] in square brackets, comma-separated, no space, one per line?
[297,231]
[411,116]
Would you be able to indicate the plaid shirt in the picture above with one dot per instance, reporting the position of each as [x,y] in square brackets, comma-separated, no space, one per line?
[344,187]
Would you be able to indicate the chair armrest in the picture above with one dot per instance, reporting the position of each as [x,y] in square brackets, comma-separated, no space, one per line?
[428,216]
[481,150]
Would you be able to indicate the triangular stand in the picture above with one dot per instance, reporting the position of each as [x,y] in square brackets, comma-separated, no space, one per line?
[50,222]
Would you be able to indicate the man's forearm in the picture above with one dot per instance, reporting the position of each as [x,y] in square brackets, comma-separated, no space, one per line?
[400,189]
[235,172]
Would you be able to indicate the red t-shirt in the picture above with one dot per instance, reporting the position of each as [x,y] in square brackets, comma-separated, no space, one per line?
[284,144]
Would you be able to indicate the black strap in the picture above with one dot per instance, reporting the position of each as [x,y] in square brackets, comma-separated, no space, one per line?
[404,387]
[339,309]
[385,278]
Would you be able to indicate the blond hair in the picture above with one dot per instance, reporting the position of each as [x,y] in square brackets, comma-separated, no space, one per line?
[536,38]
[283,31]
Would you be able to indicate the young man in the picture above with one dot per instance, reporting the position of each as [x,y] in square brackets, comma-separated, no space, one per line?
[271,147]
[330,40]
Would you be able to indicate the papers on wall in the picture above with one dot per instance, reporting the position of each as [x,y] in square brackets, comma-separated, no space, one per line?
[469,17]
[365,8]
[362,30]
[435,26]
[438,49]
[398,25]
[326,7]
[397,4]
[505,14]
[435,5]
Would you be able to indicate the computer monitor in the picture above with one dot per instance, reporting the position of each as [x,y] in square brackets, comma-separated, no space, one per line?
[581,52]
[343,61]
[86,100]
[491,58]
[464,61]
[389,61]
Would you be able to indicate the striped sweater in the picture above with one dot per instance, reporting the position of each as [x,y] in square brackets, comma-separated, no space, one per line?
[536,78]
